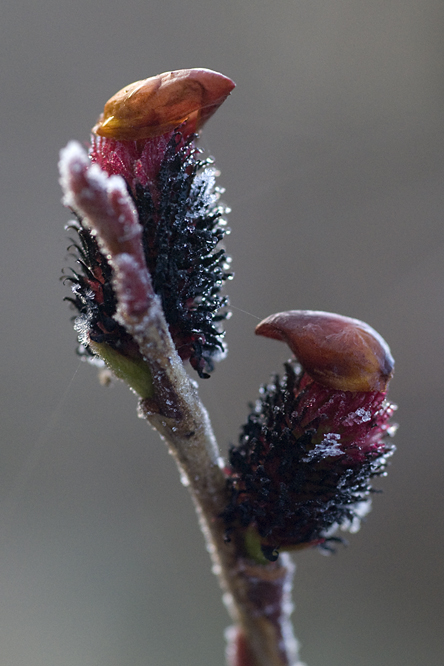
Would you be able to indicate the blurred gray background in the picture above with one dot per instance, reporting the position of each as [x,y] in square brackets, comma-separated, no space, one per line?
[330,150]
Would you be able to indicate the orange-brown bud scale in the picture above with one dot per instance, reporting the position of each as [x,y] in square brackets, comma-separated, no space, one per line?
[161,103]
[338,352]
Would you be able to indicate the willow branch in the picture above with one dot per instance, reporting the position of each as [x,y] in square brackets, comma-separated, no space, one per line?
[257,595]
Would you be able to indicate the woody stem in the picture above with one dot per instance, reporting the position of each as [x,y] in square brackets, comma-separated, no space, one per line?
[257,595]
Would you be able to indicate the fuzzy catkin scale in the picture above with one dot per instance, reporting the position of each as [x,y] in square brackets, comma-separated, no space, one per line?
[305,460]
[182,225]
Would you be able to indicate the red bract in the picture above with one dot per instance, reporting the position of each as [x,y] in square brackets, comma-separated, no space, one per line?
[138,162]
[355,422]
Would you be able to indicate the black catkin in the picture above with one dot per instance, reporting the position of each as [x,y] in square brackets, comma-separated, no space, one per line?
[182,227]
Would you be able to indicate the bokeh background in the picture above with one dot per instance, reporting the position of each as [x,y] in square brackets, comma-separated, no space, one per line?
[331,153]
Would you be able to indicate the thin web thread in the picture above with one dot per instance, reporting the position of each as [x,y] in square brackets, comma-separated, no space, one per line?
[19,482]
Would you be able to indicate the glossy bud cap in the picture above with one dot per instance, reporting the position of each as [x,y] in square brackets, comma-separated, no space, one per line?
[157,105]
[338,352]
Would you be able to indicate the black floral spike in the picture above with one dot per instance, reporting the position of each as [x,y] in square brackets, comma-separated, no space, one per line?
[309,450]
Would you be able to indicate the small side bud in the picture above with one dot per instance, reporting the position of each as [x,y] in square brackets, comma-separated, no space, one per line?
[134,370]
[161,103]
[338,352]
